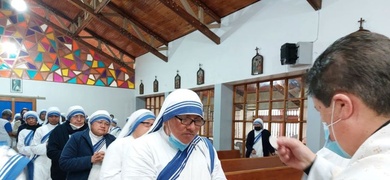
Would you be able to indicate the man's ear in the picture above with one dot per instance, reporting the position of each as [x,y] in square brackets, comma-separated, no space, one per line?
[343,107]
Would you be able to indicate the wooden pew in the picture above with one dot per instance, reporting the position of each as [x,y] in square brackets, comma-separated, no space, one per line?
[275,173]
[239,164]
[228,154]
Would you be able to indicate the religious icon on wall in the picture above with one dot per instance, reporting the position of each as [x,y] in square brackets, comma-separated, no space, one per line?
[16,86]
[177,80]
[257,63]
[141,88]
[200,75]
[155,85]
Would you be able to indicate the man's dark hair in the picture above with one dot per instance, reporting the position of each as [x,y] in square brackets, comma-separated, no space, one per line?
[358,64]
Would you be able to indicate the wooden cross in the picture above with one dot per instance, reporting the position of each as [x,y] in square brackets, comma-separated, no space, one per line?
[361,21]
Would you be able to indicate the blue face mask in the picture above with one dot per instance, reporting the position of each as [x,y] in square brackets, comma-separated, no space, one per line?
[176,142]
[333,145]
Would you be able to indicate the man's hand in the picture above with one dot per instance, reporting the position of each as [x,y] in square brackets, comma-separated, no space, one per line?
[294,153]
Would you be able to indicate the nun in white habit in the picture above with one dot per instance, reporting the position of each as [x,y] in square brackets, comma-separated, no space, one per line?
[42,163]
[174,150]
[138,124]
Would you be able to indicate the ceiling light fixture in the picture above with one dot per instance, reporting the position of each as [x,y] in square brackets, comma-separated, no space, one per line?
[19,5]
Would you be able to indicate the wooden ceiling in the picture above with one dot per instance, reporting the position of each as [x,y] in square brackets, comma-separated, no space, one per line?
[122,30]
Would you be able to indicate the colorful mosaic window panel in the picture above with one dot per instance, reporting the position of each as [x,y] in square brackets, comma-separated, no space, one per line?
[46,55]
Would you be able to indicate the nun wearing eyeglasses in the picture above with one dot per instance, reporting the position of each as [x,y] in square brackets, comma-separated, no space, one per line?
[42,163]
[138,124]
[174,150]
[84,152]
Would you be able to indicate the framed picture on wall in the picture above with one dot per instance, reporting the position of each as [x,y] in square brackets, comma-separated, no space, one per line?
[177,80]
[200,75]
[16,86]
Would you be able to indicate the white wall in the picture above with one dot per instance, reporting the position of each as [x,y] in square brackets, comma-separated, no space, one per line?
[267,24]
[118,101]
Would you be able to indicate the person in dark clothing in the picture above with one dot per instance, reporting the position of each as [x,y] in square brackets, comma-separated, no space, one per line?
[257,141]
[83,154]
[59,137]
[19,125]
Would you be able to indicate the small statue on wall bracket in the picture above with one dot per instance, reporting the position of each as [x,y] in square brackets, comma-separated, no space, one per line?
[155,85]
[257,63]
[141,88]
[177,80]
[200,75]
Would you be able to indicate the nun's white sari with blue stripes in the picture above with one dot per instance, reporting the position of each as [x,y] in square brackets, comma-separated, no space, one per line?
[153,157]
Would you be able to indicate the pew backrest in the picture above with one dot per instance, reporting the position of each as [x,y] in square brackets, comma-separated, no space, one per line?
[275,173]
[228,154]
[239,164]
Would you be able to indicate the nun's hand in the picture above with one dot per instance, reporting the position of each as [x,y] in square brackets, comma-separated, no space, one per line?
[97,157]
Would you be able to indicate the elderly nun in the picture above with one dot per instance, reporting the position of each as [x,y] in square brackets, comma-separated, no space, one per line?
[84,152]
[174,150]
[60,136]
[138,124]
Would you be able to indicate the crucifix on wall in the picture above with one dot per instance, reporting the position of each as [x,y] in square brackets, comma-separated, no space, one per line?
[200,75]
[141,88]
[257,63]
[155,85]
[177,80]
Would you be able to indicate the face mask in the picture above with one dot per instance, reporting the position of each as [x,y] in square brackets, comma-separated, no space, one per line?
[176,142]
[75,127]
[334,145]
[257,128]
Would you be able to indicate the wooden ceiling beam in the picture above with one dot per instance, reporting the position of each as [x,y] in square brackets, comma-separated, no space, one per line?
[62,15]
[191,20]
[115,8]
[208,10]
[118,28]
[107,42]
[83,18]
[316,4]
[63,31]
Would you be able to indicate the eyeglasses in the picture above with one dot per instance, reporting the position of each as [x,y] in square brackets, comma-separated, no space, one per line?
[188,121]
[147,124]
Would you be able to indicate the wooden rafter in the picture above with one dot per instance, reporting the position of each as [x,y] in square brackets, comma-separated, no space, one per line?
[63,31]
[83,18]
[50,11]
[316,4]
[115,8]
[191,20]
[107,42]
[118,28]
[207,10]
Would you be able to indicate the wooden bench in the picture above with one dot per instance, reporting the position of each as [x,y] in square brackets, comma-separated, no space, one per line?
[275,173]
[239,164]
[228,154]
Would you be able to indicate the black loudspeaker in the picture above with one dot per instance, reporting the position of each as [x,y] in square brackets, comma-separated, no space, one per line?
[288,53]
